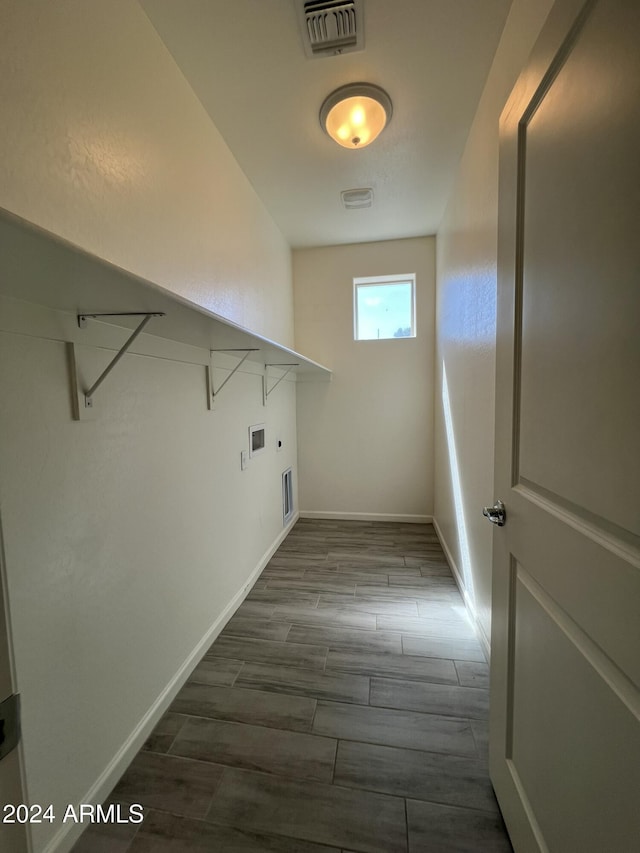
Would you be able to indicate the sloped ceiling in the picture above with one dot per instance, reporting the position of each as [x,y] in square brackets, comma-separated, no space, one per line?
[245,61]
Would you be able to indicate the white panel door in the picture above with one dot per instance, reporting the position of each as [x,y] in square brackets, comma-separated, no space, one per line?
[565,668]
[13,838]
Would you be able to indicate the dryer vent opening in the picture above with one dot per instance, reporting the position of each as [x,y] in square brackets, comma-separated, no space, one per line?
[287,495]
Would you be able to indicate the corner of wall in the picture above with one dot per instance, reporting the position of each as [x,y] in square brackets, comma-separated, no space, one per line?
[466,289]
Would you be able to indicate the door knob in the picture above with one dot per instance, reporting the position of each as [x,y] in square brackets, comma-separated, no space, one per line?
[496,513]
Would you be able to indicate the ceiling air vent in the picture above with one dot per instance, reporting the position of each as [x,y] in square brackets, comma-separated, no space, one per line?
[356,199]
[330,27]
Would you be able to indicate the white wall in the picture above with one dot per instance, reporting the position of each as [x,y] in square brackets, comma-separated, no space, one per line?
[108,147]
[365,441]
[128,537]
[466,316]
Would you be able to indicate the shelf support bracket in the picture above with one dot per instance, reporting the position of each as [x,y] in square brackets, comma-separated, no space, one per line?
[82,322]
[266,391]
[214,392]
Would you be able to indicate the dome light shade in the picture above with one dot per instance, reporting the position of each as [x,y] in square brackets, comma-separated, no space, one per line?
[354,115]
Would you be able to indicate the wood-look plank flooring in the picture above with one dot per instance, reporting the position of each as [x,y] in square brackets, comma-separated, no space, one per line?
[343,708]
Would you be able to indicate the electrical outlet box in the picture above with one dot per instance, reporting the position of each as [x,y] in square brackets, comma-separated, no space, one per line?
[257,440]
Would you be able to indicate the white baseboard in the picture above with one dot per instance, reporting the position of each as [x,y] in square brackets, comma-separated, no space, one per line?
[471,609]
[66,837]
[367,516]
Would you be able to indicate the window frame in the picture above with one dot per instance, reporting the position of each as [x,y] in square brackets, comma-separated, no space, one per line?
[372,281]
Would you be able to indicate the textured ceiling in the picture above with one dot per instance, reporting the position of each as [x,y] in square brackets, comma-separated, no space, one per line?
[245,61]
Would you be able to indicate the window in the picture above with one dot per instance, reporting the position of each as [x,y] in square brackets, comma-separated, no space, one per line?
[384,307]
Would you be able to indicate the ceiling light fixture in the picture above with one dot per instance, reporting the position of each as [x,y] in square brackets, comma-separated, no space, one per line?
[356,114]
